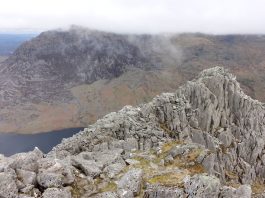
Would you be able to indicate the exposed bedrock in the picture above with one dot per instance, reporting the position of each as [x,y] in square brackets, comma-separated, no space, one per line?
[204,140]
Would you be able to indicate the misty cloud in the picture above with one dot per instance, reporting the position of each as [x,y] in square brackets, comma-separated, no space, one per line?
[135,16]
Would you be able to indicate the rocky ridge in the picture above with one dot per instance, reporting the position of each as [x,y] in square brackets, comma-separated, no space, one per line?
[204,140]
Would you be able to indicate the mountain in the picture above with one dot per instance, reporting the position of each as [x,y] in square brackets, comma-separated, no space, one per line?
[9,42]
[84,74]
[206,139]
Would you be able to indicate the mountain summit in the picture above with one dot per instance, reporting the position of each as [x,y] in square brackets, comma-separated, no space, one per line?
[203,140]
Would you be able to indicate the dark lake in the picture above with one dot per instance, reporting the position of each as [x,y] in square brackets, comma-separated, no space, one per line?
[11,143]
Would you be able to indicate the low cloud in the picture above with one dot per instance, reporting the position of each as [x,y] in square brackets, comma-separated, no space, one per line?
[135,16]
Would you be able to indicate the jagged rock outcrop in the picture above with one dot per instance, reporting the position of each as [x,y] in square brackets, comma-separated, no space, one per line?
[204,140]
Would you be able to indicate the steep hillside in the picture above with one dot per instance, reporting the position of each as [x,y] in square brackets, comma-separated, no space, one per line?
[206,139]
[242,54]
[84,74]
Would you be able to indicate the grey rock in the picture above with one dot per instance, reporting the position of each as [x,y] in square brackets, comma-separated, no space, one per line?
[8,187]
[178,150]
[226,137]
[130,144]
[202,186]
[48,179]
[193,122]
[208,163]
[114,169]
[131,181]
[243,191]
[108,157]
[168,159]
[26,161]
[132,161]
[197,136]
[125,193]
[20,184]
[27,177]
[24,196]
[164,192]
[27,189]
[57,193]
[54,172]
[184,149]
[89,167]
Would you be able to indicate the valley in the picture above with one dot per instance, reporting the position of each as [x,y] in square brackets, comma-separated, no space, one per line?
[70,78]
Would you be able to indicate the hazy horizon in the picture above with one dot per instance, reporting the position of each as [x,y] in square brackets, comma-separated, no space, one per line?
[137,16]
[36,33]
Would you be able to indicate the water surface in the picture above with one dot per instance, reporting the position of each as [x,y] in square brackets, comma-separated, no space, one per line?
[11,143]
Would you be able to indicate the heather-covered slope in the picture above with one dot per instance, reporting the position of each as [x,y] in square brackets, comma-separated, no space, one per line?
[204,140]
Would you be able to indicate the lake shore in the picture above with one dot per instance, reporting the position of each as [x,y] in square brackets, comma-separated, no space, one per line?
[12,143]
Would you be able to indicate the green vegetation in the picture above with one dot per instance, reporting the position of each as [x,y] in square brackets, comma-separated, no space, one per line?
[167,174]
[109,187]
[169,179]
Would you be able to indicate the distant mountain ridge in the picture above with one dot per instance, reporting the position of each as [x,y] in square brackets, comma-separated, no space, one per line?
[84,74]
[58,59]
[9,42]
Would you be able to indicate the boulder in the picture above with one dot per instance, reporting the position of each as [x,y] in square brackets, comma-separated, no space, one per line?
[243,191]
[131,181]
[26,161]
[54,172]
[8,187]
[114,169]
[108,157]
[27,177]
[49,179]
[90,167]
[57,193]
[27,189]
[163,192]
[202,185]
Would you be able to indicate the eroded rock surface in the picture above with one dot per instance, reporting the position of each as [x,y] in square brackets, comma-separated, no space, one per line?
[204,140]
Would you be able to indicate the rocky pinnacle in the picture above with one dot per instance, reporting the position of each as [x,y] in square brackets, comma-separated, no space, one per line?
[204,140]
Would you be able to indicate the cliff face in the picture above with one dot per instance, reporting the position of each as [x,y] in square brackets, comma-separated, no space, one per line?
[204,140]
[57,60]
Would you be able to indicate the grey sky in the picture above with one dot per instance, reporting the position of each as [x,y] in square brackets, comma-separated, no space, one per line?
[135,16]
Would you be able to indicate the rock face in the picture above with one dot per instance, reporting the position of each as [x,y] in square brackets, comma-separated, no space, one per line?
[204,140]
[131,182]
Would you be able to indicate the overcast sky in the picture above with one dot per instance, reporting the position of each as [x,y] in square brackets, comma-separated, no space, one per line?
[135,16]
